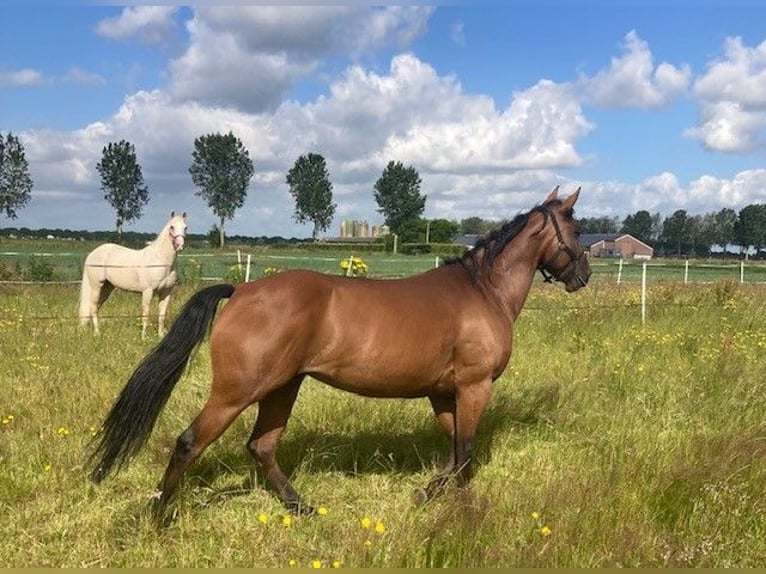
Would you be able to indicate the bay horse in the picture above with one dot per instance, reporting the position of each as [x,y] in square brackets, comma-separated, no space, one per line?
[147,271]
[444,334]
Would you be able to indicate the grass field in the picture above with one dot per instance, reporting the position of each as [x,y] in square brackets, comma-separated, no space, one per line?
[606,443]
[62,261]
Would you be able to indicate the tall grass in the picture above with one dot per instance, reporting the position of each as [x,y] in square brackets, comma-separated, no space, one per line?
[606,443]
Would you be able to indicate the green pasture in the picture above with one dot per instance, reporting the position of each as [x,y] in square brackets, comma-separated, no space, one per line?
[62,261]
[607,443]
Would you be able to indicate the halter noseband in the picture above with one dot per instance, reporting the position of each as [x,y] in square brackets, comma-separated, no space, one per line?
[571,267]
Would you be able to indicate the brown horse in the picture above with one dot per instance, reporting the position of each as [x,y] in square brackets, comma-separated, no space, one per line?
[444,334]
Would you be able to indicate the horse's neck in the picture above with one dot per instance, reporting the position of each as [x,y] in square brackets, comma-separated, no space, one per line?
[512,272]
[162,246]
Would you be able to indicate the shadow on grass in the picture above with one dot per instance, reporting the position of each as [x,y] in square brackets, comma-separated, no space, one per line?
[385,450]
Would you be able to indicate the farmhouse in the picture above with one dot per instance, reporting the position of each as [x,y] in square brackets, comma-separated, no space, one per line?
[620,245]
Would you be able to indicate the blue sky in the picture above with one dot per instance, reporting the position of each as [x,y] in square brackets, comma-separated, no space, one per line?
[646,105]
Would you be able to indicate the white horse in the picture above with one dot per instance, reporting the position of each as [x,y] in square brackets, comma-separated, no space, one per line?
[147,270]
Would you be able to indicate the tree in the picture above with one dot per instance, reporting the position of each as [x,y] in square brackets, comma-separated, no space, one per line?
[440,230]
[723,224]
[751,226]
[221,169]
[597,224]
[310,185]
[15,181]
[122,182]
[675,230]
[639,225]
[397,192]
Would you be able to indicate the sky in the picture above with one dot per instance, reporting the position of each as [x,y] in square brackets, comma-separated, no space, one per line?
[645,105]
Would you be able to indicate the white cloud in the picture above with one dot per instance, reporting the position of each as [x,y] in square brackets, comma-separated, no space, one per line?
[84,78]
[732,100]
[21,78]
[147,24]
[249,57]
[476,156]
[632,80]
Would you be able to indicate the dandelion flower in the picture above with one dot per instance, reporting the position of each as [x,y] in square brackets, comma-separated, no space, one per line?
[292,562]
[48,467]
[263,518]
[336,563]
[316,563]
[535,516]
[545,531]
[322,511]
[366,522]
[287,520]
[380,527]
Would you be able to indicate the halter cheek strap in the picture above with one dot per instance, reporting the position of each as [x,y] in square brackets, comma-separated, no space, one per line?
[571,266]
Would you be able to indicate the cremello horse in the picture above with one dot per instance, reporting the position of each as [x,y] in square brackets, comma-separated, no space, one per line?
[146,271]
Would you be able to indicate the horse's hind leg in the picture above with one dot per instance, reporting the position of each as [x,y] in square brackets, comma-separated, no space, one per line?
[273,411]
[210,423]
[98,296]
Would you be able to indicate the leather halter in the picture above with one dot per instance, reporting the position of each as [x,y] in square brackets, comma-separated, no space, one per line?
[571,267]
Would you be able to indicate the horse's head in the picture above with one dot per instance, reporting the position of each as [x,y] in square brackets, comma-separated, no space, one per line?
[562,257]
[177,230]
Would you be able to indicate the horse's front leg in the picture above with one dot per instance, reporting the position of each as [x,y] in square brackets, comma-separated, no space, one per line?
[459,417]
[146,301]
[162,309]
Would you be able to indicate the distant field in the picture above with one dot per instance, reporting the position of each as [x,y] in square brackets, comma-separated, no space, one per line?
[65,260]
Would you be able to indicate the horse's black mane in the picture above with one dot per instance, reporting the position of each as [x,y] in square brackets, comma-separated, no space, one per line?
[479,260]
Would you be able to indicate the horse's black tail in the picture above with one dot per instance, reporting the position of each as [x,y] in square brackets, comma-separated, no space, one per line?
[130,422]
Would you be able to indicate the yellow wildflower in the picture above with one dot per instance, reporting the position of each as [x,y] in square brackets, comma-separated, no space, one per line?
[365,522]
[287,520]
[380,527]
[545,531]
[316,563]
[322,511]
[263,518]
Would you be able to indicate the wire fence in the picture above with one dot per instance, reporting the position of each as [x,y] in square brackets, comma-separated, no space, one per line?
[639,277]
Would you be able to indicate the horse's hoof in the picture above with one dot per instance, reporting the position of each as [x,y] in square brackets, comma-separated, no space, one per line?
[300,509]
[419,497]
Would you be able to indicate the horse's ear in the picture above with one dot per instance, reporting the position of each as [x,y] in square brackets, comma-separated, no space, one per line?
[172,214]
[183,215]
[570,201]
[552,195]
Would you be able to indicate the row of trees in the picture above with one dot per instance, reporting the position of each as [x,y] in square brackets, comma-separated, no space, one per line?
[221,169]
[684,234]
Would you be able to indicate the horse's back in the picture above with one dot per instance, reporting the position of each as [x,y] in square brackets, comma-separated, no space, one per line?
[130,269]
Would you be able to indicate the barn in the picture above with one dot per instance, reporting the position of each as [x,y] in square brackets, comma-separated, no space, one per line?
[619,245]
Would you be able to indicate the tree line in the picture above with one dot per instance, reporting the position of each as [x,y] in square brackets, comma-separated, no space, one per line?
[221,170]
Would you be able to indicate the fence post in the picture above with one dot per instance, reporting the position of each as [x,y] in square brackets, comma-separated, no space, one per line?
[686,272]
[619,272]
[350,265]
[247,269]
[741,271]
[643,295]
